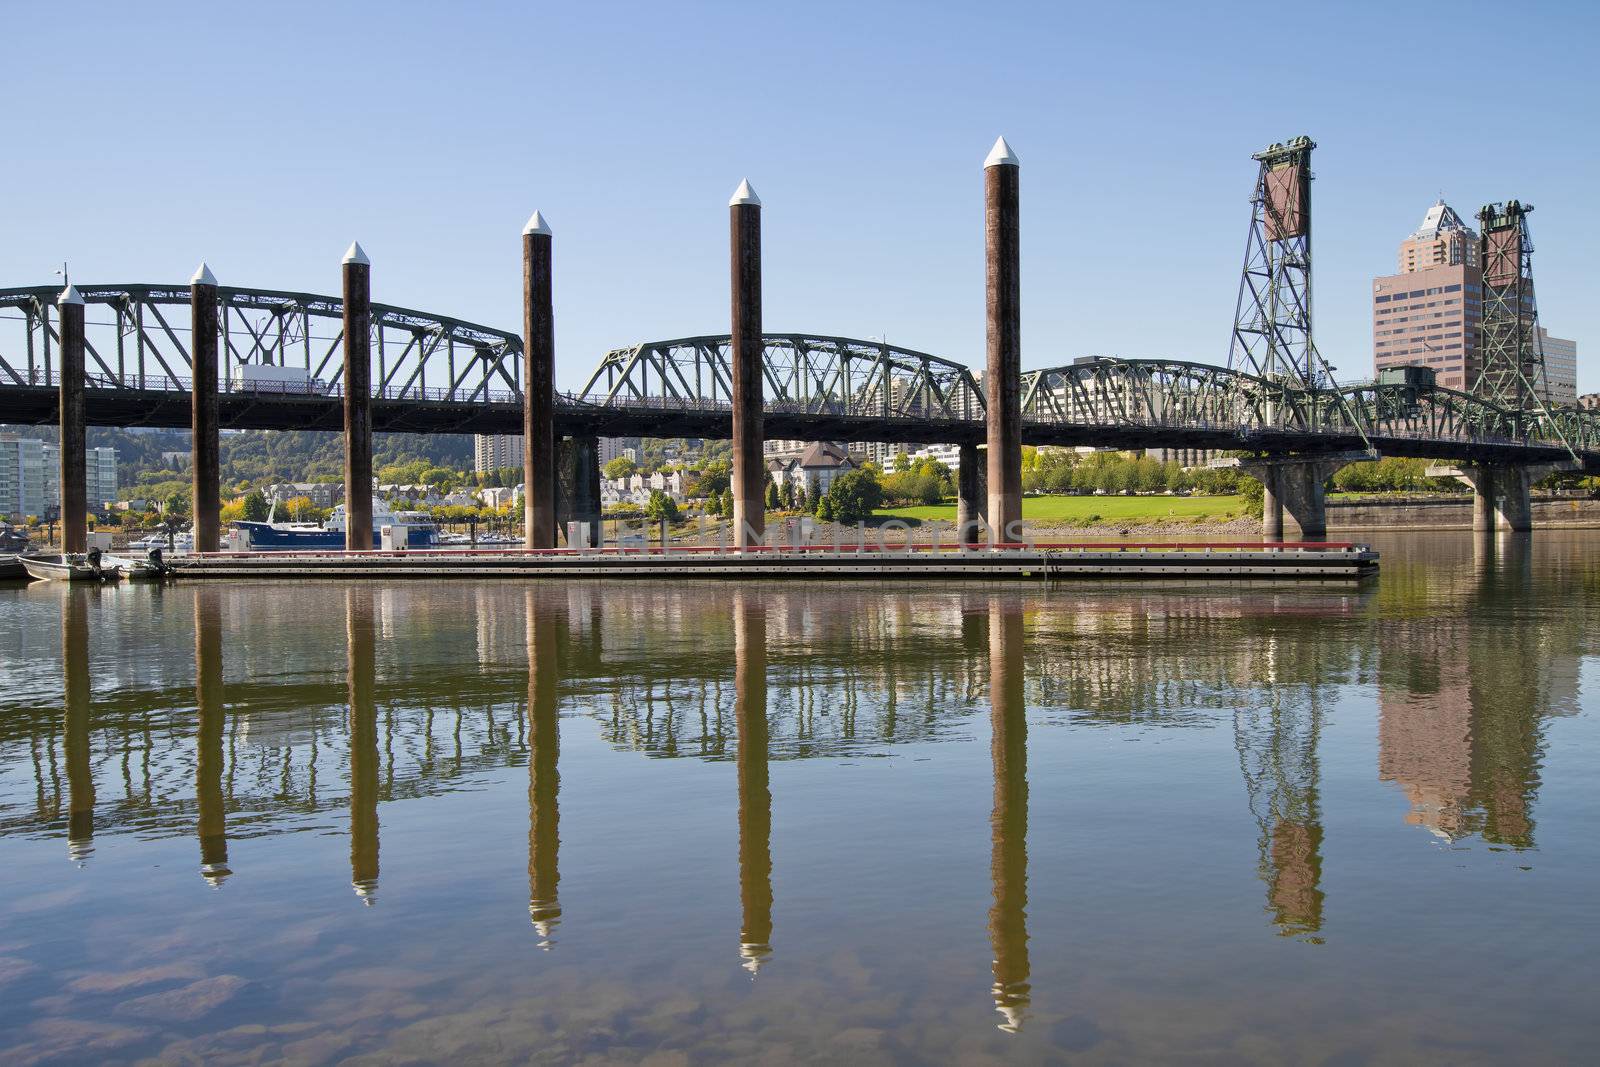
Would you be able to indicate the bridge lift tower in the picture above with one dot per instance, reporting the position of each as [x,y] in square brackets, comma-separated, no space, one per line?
[1272,324]
[1511,370]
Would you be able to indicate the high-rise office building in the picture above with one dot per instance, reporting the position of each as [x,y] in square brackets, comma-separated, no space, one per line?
[1428,314]
[1560,368]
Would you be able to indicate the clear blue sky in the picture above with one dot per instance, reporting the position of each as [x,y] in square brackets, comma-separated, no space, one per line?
[264,138]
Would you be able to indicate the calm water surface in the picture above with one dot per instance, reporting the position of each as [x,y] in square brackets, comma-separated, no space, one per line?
[463,823]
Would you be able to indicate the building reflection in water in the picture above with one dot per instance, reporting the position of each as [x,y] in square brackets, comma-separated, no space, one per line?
[544,778]
[361,661]
[1277,745]
[1008,822]
[755,795]
[210,709]
[1462,702]
[75,681]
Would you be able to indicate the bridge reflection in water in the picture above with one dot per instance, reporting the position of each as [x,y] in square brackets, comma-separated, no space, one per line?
[1463,699]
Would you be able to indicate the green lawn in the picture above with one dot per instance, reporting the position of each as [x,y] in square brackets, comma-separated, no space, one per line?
[1089,510]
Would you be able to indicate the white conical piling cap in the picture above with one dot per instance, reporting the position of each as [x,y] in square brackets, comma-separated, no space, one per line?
[70,295]
[203,276]
[536,225]
[1001,155]
[355,255]
[745,195]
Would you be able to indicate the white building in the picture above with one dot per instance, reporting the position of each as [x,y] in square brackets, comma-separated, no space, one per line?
[30,477]
[815,468]
[1560,368]
[24,482]
[492,451]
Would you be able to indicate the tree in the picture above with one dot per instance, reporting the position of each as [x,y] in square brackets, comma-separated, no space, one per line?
[727,503]
[254,508]
[855,495]
[661,506]
[715,477]
[177,505]
[621,467]
[825,510]
[301,509]
[774,502]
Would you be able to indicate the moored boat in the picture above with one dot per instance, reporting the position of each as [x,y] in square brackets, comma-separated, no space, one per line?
[150,569]
[74,567]
[11,567]
[279,536]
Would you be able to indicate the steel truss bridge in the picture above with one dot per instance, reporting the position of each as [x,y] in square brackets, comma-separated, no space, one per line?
[435,374]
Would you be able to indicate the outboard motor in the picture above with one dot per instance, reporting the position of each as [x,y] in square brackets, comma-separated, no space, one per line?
[94,563]
[154,559]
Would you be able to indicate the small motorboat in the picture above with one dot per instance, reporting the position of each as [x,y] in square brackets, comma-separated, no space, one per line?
[150,569]
[72,567]
[11,567]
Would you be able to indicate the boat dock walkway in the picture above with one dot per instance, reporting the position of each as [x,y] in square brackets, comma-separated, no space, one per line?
[1228,561]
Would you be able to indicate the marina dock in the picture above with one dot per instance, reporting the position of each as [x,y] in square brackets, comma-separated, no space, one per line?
[1229,561]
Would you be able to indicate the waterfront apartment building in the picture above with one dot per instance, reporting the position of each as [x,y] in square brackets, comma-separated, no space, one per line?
[492,451]
[1428,314]
[30,478]
[497,450]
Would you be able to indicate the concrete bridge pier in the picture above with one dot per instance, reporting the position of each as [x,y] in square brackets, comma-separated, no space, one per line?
[205,465]
[1294,496]
[580,485]
[74,432]
[969,497]
[1501,495]
[1271,511]
[1003,374]
[539,372]
[357,400]
[747,350]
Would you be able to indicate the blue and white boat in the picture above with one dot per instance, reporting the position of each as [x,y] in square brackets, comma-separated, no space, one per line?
[273,536]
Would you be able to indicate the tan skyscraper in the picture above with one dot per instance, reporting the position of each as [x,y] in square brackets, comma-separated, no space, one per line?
[1428,314]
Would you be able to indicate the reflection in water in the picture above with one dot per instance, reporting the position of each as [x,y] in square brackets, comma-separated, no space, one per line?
[1008,822]
[1463,704]
[1277,746]
[362,664]
[544,779]
[75,679]
[755,796]
[208,698]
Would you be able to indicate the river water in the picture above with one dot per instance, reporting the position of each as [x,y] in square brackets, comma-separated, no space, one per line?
[703,823]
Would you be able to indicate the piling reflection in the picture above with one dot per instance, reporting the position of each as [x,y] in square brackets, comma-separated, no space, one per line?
[1277,739]
[75,733]
[210,712]
[544,778]
[755,795]
[1008,820]
[361,662]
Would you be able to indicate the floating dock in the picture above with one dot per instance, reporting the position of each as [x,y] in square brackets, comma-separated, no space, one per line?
[1233,561]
